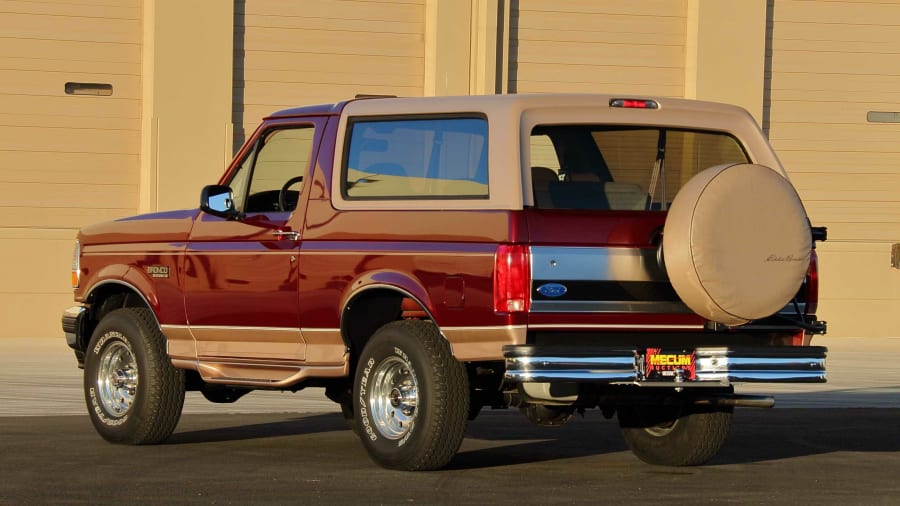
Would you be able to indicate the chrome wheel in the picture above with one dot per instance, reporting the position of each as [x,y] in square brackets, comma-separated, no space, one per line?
[117,379]
[393,397]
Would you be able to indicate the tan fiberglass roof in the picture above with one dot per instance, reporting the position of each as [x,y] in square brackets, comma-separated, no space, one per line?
[512,117]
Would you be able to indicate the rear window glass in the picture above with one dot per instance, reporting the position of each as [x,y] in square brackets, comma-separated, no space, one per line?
[621,167]
[433,158]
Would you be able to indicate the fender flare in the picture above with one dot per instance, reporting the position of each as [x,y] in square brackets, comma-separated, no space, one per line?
[391,280]
[129,277]
[396,281]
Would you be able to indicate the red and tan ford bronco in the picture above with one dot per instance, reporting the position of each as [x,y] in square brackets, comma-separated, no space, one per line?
[423,258]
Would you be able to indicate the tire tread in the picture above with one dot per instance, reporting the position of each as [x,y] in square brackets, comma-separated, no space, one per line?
[167,394]
[454,394]
[696,439]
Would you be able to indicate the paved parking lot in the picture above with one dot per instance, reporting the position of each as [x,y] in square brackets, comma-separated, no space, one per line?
[782,456]
[39,377]
[837,443]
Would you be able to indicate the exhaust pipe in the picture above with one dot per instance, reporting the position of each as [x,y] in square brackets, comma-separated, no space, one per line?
[741,401]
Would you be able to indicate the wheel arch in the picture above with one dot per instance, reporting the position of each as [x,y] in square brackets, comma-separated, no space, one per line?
[377,299]
[106,296]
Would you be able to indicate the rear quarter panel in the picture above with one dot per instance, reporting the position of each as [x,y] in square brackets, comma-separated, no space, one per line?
[444,258]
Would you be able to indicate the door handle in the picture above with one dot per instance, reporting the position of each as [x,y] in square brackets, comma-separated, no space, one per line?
[281,234]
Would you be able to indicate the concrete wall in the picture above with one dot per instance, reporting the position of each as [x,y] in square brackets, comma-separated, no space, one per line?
[829,65]
[186,116]
[192,78]
[65,159]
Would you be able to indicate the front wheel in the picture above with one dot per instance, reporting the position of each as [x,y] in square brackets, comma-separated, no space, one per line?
[410,397]
[134,395]
[679,434]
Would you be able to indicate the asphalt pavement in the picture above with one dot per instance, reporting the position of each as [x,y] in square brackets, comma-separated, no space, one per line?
[789,456]
[833,443]
[40,377]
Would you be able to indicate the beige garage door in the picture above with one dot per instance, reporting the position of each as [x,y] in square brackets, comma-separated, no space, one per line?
[832,63]
[598,46]
[66,160]
[289,54]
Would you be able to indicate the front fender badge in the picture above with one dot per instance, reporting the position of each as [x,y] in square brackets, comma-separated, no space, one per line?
[552,290]
[158,271]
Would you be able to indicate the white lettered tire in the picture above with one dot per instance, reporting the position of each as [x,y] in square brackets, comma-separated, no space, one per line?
[134,395]
[737,243]
[410,397]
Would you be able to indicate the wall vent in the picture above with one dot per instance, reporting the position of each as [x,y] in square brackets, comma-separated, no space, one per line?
[95,89]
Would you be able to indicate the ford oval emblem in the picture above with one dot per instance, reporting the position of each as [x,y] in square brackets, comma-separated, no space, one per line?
[552,290]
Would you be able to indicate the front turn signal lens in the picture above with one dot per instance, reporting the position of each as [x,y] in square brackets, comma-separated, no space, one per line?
[76,265]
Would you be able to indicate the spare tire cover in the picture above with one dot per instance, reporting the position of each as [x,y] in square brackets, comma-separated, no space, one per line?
[737,243]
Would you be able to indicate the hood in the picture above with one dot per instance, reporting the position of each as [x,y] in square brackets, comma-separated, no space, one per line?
[168,227]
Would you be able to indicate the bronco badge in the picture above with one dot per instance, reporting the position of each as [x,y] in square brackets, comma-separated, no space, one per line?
[158,271]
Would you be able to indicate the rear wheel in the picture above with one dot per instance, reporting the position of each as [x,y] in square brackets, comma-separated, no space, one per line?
[410,397]
[680,434]
[134,395]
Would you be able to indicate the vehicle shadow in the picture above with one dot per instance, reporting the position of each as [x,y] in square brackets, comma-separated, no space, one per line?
[759,436]
[756,436]
[275,425]
[506,438]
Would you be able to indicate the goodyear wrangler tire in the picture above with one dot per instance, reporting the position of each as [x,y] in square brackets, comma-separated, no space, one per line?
[675,435]
[410,397]
[134,395]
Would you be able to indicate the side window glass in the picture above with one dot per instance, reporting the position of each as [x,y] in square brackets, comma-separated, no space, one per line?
[272,175]
[240,179]
[433,158]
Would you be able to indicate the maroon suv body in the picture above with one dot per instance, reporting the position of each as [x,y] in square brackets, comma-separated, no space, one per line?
[423,258]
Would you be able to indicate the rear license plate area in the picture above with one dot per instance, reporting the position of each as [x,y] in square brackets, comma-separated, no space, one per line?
[669,365]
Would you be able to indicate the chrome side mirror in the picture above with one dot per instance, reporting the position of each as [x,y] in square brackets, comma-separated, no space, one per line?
[217,200]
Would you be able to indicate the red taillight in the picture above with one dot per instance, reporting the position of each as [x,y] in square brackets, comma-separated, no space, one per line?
[512,277]
[812,284]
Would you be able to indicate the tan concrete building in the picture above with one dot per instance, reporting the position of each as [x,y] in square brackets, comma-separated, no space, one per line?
[114,107]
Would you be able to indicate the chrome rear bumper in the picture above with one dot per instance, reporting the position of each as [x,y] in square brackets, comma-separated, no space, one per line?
[709,367]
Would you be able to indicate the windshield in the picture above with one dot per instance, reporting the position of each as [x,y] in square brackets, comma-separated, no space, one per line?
[621,167]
